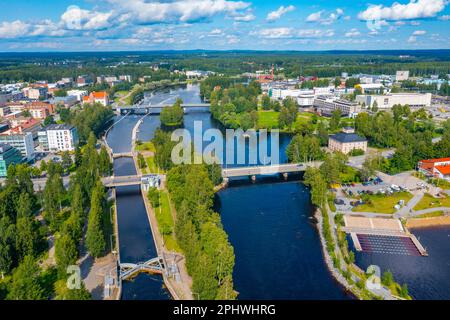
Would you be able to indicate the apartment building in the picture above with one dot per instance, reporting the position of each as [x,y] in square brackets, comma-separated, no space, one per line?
[58,137]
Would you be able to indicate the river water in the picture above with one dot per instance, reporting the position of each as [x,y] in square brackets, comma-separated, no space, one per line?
[269,223]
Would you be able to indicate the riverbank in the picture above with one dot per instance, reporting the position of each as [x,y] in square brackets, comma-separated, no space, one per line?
[328,261]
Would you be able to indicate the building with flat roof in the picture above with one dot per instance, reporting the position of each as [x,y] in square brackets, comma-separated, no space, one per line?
[8,155]
[347,141]
[387,101]
[401,75]
[370,87]
[21,141]
[325,105]
[58,137]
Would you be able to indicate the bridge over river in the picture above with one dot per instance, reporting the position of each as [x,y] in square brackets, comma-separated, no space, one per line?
[157,108]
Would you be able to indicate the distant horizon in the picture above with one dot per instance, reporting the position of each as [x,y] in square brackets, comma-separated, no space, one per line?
[229,51]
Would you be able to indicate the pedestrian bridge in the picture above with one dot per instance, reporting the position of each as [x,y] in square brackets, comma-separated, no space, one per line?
[268,170]
[128,270]
[122,155]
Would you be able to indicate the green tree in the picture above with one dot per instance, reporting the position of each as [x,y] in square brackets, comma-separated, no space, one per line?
[64,293]
[95,239]
[66,161]
[335,120]
[48,121]
[25,283]
[265,102]
[66,252]
[387,278]
[172,116]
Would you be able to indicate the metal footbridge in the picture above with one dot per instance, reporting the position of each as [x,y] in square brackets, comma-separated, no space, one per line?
[129,270]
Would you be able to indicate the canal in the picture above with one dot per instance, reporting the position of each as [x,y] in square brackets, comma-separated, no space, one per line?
[269,223]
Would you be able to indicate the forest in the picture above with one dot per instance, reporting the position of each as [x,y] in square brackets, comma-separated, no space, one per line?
[52,67]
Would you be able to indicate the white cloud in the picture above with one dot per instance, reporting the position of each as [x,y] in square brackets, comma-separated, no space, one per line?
[314,17]
[419,33]
[331,18]
[291,33]
[76,18]
[232,39]
[413,10]
[20,29]
[14,29]
[444,17]
[244,17]
[412,39]
[353,33]
[177,11]
[277,14]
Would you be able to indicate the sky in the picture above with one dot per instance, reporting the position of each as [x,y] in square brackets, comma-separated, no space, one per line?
[129,25]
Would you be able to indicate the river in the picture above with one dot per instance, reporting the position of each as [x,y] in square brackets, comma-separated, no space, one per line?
[269,223]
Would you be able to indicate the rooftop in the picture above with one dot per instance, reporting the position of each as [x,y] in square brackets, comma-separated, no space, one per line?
[436,160]
[347,137]
[445,170]
[58,127]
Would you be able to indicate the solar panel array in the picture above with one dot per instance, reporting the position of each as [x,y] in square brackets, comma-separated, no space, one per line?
[387,244]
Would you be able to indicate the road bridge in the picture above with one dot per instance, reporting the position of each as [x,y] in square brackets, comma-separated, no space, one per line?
[157,108]
[254,171]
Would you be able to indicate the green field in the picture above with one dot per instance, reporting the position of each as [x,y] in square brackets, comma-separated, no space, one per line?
[428,201]
[165,222]
[145,146]
[382,203]
[267,119]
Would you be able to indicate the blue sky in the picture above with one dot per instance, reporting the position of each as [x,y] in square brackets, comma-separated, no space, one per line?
[88,25]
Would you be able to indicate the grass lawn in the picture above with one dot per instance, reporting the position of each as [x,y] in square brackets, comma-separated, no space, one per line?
[165,222]
[430,215]
[145,146]
[152,167]
[108,227]
[382,203]
[267,119]
[428,201]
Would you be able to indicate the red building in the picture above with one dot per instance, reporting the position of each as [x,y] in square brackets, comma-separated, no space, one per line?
[437,168]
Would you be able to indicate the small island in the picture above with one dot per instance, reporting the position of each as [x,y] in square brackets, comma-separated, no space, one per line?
[172,116]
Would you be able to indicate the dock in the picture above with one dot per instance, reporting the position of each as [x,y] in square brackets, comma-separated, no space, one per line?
[382,235]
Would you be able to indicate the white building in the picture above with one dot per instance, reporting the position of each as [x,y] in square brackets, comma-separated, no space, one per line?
[370,87]
[306,99]
[402,75]
[326,105]
[59,137]
[414,100]
[77,93]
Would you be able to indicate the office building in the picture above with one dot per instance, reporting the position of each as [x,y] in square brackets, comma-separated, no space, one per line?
[8,156]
